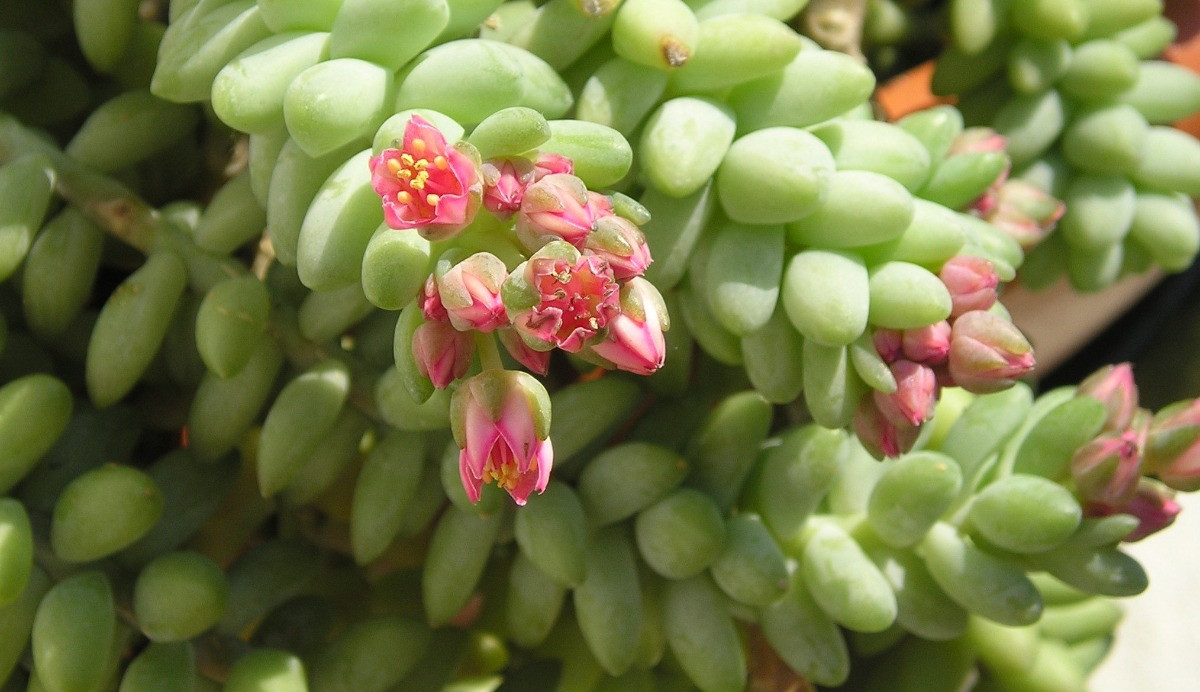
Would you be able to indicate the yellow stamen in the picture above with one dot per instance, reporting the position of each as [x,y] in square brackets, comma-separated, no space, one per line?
[395,167]
[407,159]
[404,173]
[403,197]
[432,199]
[418,146]
[441,163]
[421,164]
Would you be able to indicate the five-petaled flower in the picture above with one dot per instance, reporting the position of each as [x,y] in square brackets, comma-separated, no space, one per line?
[561,298]
[425,184]
[501,423]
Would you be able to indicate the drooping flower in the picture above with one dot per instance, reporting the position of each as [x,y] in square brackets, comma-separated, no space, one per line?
[987,353]
[1173,445]
[916,393]
[501,422]
[470,292]
[441,352]
[622,243]
[1113,386]
[504,183]
[561,298]
[635,342]
[558,207]
[426,184]
[971,281]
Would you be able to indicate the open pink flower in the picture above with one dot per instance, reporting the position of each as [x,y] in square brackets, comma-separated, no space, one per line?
[441,352]
[470,292]
[635,342]
[426,184]
[501,422]
[560,298]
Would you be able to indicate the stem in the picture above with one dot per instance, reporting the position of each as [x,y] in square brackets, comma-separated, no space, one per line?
[489,355]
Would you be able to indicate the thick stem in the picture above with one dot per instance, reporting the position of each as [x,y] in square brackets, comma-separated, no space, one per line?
[489,354]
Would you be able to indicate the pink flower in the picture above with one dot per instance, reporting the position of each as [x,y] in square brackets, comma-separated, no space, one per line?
[971,281]
[1025,212]
[426,184]
[548,163]
[635,342]
[622,243]
[560,298]
[1155,508]
[504,183]
[1107,469]
[879,435]
[431,301]
[987,353]
[1173,445]
[536,361]
[916,393]
[929,345]
[470,292]
[975,140]
[1113,386]
[558,207]
[889,343]
[441,352]
[501,422]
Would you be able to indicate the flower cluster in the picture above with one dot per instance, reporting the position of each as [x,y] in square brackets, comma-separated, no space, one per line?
[1134,463]
[573,282]
[975,349]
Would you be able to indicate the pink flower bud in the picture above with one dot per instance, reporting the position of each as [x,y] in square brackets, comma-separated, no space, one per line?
[635,342]
[431,301]
[504,183]
[621,242]
[1107,469]
[972,283]
[916,393]
[1113,386]
[536,361]
[501,422]
[1025,212]
[441,352]
[1173,445]
[889,343]
[929,345]
[879,435]
[973,140]
[548,163]
[1153,505]
[470,292]
[426,184]
[560,298]
[557,207]
[987,353]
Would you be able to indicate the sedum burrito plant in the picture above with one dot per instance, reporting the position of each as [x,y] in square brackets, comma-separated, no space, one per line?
[577,345]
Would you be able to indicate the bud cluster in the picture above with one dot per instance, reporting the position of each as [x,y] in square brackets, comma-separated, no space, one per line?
[573,281]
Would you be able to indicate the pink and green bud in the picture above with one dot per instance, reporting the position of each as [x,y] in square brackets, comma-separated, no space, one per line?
[1107,469]
[1113,386]
[928,345]
[987,353]
[916,393]
[1173,446]
[622,243]
[982,140]
[431,301]
[441,352]
[501,421]
[889,343]
[470,292]
[879,435]
[971,281]
[1025,212]
[561,298]
[1152,504]
[635,342]
[548,163]
[425,184]
[504,183]
[536,361]
[557,207]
